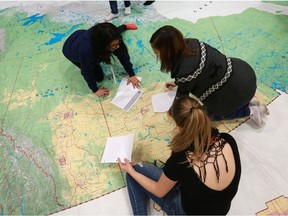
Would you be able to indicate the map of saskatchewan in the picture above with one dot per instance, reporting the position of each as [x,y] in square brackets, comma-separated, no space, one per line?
[53,130]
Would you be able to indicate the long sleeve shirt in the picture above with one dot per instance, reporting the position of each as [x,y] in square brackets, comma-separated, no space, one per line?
[78,49]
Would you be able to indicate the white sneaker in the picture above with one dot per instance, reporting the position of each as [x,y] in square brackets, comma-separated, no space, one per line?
[111,16]
[262,107]
[127,10]
[255,115]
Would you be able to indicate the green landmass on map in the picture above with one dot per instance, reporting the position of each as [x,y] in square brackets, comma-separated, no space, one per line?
[54,130]
[284,3]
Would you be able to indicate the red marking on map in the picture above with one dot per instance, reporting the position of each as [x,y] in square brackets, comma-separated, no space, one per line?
[62,161]
[67,115]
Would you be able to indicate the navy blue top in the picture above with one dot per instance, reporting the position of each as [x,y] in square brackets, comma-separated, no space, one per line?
[78,49]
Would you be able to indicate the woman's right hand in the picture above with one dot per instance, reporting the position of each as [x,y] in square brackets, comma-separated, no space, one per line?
[170,85]
[125,165]
[102,92]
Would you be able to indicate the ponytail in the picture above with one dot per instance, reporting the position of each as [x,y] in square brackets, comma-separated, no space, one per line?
[194,124]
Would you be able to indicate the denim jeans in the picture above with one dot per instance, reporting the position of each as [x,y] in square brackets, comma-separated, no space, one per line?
[170,203]
[114,6]
[240,113]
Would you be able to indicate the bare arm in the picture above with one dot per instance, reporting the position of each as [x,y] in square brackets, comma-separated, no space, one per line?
[159,188]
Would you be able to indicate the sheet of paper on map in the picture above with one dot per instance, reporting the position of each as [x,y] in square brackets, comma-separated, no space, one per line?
[118,147]
[126,95]
[162,102]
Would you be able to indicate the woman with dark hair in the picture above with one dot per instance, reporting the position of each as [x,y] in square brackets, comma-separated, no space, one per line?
[88,48]
[226,86]
[201,176]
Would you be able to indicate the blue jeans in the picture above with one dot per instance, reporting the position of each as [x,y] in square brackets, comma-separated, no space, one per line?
[170,203]
[240,113]
[114,6]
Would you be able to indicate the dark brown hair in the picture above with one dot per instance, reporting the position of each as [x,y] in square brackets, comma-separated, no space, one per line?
[102,35]
[170,42]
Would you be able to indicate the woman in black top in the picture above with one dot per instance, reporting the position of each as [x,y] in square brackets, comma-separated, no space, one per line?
[200,177]
[224,85]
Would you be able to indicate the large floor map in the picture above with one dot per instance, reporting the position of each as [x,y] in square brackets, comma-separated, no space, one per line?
[53,130]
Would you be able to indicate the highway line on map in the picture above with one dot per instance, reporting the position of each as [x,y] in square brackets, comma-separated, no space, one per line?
[105,117]
[12,91]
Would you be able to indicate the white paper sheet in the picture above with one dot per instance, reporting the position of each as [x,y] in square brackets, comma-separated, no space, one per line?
[162,102]
[118,147]
[126,95]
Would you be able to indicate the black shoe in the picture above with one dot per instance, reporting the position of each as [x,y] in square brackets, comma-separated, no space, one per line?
[148,3]
[99,73]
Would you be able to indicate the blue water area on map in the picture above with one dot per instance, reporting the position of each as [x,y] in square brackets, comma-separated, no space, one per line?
[59,36]
[32,19]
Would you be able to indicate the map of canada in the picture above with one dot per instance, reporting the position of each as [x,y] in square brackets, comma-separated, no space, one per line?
[53,130]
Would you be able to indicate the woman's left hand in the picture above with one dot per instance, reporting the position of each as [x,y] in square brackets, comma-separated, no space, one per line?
[135,82]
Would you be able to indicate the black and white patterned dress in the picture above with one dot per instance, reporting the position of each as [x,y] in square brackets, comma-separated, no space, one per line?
[222,84]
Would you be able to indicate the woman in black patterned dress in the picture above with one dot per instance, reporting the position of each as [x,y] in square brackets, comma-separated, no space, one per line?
[226,86]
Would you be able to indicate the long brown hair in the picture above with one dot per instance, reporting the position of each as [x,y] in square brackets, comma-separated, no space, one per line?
[170,42]
[194,124]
